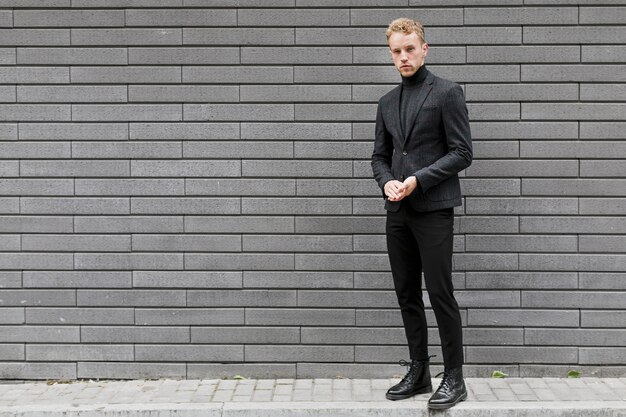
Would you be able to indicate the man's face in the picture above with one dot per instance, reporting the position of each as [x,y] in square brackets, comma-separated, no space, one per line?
[408,52]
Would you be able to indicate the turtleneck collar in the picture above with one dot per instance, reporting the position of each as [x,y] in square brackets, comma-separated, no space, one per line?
[415,79]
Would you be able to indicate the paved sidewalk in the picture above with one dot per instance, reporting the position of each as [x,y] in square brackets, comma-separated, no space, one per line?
[526,397]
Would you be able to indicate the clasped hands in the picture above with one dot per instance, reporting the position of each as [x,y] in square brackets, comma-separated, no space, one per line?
[396,190]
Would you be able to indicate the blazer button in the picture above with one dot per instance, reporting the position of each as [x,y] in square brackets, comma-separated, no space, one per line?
[402,178]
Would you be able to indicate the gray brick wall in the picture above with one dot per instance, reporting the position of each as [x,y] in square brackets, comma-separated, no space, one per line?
[185,188]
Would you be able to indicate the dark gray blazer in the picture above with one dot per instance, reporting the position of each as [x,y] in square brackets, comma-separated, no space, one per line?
[435,149]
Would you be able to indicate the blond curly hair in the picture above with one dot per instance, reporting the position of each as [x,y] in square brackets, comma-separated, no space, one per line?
[406,26]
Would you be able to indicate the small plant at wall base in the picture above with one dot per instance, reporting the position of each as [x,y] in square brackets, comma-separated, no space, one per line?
[498,374]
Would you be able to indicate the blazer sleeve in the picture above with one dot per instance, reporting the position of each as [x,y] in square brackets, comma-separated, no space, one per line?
[383,151]
[458,139]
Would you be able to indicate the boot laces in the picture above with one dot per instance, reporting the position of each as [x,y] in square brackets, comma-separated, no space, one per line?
[411,370]
[446,383]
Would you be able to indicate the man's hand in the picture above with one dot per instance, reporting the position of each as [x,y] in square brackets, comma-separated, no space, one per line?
[396,190]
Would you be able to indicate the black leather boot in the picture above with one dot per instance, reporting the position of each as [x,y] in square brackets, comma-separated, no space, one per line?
[416,381]
[451,391]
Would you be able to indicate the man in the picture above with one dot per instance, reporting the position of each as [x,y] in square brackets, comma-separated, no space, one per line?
[422,141]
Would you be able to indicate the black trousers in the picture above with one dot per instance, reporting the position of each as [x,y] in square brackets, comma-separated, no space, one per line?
[422,242]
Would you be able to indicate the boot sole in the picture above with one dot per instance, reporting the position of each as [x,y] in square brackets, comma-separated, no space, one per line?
[424,390]
[445,406]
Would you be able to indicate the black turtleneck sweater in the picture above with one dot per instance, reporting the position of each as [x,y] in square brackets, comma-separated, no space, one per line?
[408,96]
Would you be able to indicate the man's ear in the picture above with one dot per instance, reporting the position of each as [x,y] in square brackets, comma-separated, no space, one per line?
[425,48]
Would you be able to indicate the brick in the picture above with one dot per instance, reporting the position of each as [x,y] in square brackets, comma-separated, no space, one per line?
[598,92]
[133,334]
[35,260]
[9,205]
[34,37]
[526,318]
[521,16]
[524,130]
[74,131]
[334,150]
[526,354]
[167,131]
[370,243]
[40,334]
[331,225]
[295,93]
[602,244]
[134,224]
[429,17]
[574,35]
[36,224]
[187,17]
[603,53]
[68,18]
[295,55]
[6,18]
[521,280]
[239,261]
[181,205]
[603,319]
[10,169]
[493,337]
[344,187]
[66,316]
[523,168]
[293,131]
[238,36]
[13,352]
[10,243]
[353,335]
[566,262]
[298,353]
[521,92]
[380,55]
[602,168]
[103,187]
[296,168]
[386,318]
[73,168]
[588,149]
[494,111]
[575,337]
[125,370]
[603,281]
[346,3]
[296,243]
[37,371]
[602,205]
[240,187]
[342,262]
[483,224]
[329,74]
[390,354]
[8,56]
[345,298]
[34,75]
[180,243]
[239,224]
[524,205]
[602,15]
[580,73]
[236,335]
[522,54]
[73,205]
[490,187]
[370,93]
[296,279]
[35,112]
[238,112]
[572,299]
[301,205]
[8,131]
[130,298]
[293,17]
[126,112]
[76,279]
[227,149]
[602,130]
[24,298]
[126,149]
[8,94]
[189,316]
[127,36]
[525,243]
[241,298]
[244,75]
[602,356]
[72,56]
[192,353]
[589,225]
[335,111]
[185,168]
[12,315]
[69,243]
[484,261]
[574,187]
[223,371]
[178,93]
[300,317]
[59,352]
[127,3]
[11,279]
[186,279]
[183,56]
[126,261]
[71,94]
[27,150]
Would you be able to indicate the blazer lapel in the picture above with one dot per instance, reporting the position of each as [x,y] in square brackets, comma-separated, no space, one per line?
[394,112]
[419,102]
